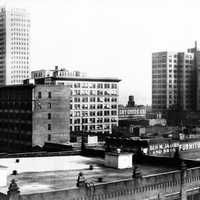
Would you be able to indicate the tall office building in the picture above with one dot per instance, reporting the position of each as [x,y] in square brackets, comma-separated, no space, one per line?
[14,46]
[174,80]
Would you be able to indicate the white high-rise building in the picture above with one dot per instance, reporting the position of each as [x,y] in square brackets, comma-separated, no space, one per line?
[14,46]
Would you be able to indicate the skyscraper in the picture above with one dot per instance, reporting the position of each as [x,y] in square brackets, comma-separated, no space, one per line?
[14,46]
[174,80]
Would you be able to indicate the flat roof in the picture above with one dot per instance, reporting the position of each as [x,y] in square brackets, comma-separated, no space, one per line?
[34,182]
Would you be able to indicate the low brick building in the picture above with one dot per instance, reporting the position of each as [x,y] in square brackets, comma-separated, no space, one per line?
[31,115]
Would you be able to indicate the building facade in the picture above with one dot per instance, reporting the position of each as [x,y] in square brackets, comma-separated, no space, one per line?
[131,111]
[31,115]
[136,112]
[94,101]
[174,80]
[14,46]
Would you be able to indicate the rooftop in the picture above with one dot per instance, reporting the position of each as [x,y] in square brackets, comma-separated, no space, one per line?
[66,170]
[64,74]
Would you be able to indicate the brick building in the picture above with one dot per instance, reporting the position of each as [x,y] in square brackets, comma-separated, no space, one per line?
[31,115]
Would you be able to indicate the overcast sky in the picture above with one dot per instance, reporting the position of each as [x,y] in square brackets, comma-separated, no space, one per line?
[110,37]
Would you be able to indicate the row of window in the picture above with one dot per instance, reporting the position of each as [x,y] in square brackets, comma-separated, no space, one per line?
[17,81]
[40,95]
[19,29]
[94,99]
[91,127]
[93,113]
[19,77]
[20,34]
[92,120]
[19,57]
[19,24]
[94,85]
[20,43]
[20,48]
[19,18]
[20,52]
[93,92]
[93,106]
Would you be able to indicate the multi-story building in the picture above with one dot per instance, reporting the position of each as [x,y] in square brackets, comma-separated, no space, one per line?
[31,115]
[14,46]
[94,101]
[174,80]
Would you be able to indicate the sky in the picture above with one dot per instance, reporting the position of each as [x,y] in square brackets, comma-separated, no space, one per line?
[110,38]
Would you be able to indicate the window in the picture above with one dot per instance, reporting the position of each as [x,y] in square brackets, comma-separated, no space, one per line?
[99,106]
[114,106]
[77,85]
[99,92]
[92,99]
[77,114]
[114,86]
[106,113]
[84,128]
[39,95]
[77,106]
[99,85]
[77,128]
[76,99]
[114,99]
[99,120]
[107,99]
[49,126]
[84,120]
[84,113]
[49,115]
[106,85]
[100,99]
[49,105]
[84,106]
[92,106]
[85,99]
[92,120]
[49,137]
[92,113]
[99,113]
[77,121]
[49,94]
[113,112]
